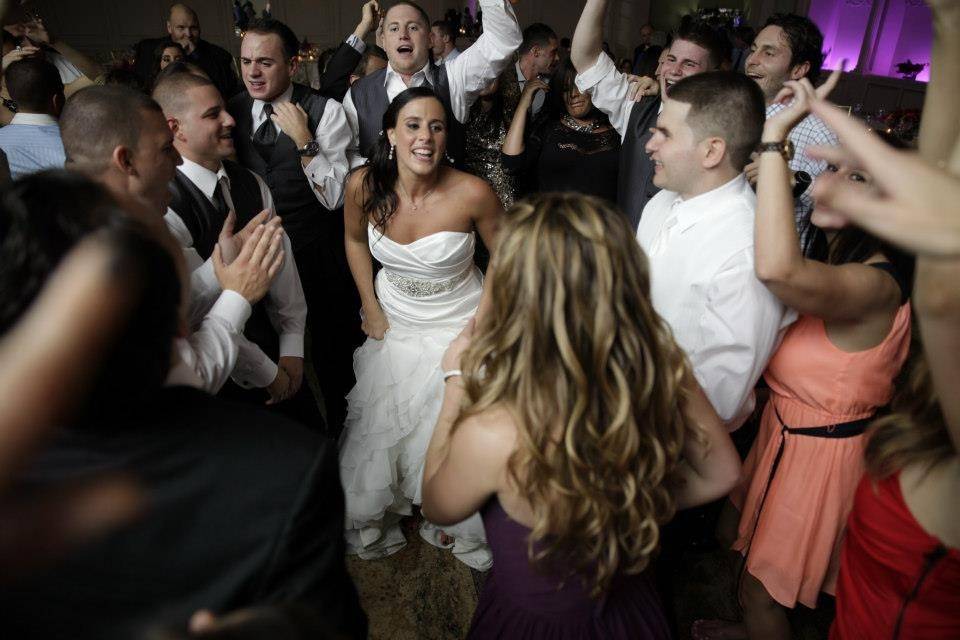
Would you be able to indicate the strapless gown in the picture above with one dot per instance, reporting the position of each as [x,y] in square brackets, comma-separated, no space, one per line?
[428,289]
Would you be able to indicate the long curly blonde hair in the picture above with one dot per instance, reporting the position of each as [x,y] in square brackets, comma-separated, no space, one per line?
[572,347]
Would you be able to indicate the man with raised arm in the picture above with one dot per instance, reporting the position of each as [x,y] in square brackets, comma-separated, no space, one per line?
[458,83]
[696,48]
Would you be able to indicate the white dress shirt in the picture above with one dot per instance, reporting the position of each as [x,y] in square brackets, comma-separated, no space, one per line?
[467,75]
[207,357]
[608,89]
[450,57]
[286,306]
[538,99]
[328,169]
[702,282]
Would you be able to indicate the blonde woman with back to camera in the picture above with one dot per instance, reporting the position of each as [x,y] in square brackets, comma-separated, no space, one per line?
[575,427]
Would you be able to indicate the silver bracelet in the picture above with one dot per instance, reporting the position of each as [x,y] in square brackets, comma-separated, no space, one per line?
[451,374]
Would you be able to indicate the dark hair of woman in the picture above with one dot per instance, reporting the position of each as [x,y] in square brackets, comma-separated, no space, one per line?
[158,55]
[380,180]
[563,81]
[853,244]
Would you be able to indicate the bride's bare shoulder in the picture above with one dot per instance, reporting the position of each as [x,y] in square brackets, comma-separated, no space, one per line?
[469,188]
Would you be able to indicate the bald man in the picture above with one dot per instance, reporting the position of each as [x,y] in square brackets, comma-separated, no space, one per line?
[183,27]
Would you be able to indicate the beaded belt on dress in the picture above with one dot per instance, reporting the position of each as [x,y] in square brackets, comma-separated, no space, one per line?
[423,288]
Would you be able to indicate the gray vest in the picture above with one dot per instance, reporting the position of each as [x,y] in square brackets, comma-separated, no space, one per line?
[370,98]
[636,169]
[280,167]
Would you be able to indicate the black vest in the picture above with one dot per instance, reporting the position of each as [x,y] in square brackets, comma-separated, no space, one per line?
[370,98]
[636,186]
[293,194]
[204,222]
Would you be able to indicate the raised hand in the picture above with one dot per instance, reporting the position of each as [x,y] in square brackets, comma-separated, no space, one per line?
[369,19]
[915,204]
[798,95]
[530,89]
[19,53]
[253,271]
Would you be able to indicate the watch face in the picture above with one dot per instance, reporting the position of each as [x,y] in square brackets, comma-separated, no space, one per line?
[312,148]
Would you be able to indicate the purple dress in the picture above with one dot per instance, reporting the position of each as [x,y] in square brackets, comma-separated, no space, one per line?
[519,602]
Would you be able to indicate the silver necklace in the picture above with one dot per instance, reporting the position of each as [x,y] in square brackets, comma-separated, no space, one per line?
[410,198]
[590,127]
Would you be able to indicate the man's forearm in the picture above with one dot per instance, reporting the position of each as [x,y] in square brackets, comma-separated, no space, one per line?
[588,36]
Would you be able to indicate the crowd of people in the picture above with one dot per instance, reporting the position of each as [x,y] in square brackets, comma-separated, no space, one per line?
[498,291]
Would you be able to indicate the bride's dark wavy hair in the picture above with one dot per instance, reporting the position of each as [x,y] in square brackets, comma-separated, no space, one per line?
[380,180]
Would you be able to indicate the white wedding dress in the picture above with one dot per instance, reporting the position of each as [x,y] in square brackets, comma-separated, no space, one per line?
[428,289]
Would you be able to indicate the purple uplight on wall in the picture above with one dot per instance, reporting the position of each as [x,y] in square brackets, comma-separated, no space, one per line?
[902,32]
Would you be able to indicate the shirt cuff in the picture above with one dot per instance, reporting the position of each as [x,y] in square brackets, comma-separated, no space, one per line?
[317,171]
[592,76]
[359,45]
[206,275]
[233,308]
[258,377]
[291,344]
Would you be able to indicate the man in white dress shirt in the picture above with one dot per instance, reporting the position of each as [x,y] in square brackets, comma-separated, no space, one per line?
[406,39]
[443,42]
[698,235]
[538,57]
[209,190]
[295,139]
[119,137]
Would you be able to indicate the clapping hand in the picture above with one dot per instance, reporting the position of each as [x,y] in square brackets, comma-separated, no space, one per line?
[231,243]
[254,269]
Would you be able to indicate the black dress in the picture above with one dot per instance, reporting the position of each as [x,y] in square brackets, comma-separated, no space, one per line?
[558,158]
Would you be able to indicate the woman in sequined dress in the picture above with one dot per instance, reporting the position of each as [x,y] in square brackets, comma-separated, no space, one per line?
[486,130]
[417,216]
[571,145]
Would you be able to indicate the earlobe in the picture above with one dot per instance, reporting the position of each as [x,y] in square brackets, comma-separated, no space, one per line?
[716,149]
[121,160]
[800,71]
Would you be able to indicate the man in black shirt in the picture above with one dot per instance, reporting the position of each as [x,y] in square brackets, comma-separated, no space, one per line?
[183,27]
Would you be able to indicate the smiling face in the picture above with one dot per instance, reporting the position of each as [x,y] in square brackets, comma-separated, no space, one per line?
[684,58]
[673,149]
[420,136]
[265,73]
[184,29]
[169,56]
[406,39]
[545,59]
[578,104]
[204,127]
[769,62]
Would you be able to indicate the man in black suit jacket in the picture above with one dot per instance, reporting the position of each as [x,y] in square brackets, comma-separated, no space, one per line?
[242,507]
[183,27]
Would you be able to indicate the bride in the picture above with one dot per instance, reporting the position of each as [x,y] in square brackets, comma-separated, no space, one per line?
[416,215]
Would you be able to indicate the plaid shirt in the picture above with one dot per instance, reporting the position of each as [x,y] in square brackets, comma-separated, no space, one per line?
[810,131]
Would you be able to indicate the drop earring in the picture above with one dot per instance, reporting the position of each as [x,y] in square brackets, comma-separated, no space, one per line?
[390,155]
[449,159]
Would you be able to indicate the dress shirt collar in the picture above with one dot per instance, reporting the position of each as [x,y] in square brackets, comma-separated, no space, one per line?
[203,178]
[286,96]
[690,212]
[419,78]
[39,119]
[520,77]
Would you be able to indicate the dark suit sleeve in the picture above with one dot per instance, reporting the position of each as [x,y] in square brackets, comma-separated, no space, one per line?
[336,79]
[307,566]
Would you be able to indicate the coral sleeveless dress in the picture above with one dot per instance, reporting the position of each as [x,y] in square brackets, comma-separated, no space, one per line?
[793,547]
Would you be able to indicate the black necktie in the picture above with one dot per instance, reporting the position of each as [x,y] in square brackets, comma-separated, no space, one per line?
[219,201]
[266,134]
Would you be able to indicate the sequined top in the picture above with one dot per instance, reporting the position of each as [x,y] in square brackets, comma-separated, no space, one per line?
[485,132]
[558,158]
